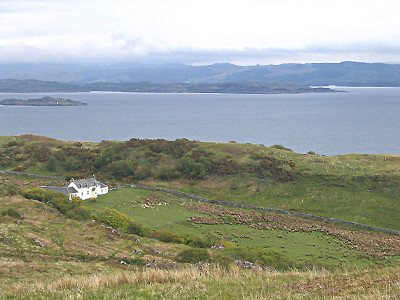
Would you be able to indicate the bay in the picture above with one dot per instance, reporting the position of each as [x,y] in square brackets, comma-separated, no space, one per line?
[362,120]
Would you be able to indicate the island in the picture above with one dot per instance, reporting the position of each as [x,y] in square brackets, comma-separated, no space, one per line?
[37,86]
[44,101]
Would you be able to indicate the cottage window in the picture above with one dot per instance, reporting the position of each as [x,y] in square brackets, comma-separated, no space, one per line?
[88,192]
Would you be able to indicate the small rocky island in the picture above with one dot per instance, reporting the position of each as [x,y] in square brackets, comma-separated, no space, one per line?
[45,101]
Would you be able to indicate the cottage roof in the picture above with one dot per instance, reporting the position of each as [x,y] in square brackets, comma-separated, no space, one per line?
[64,190]
[83,183]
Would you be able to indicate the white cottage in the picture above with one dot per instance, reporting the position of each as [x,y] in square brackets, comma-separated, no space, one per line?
[83,188]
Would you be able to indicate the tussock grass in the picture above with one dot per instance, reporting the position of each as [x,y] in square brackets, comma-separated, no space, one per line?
[219,283]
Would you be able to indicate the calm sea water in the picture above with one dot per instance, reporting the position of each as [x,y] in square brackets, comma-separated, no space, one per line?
[363,120]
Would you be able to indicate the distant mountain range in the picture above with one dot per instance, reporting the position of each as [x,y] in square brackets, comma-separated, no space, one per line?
[345,73]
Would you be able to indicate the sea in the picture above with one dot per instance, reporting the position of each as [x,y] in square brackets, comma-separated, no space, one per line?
[358,120]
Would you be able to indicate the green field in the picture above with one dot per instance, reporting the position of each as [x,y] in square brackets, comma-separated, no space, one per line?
[311,246]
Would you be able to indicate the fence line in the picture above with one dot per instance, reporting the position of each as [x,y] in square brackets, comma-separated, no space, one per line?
[30,175]
[202,199]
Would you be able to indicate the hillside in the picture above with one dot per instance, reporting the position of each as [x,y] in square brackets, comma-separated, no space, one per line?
[130,243]
[344,73]
[48,254]
[357,188]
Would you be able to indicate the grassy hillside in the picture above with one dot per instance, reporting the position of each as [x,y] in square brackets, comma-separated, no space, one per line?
[355,187]
[47,253]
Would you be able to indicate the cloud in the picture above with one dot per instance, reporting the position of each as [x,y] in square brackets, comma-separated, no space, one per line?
[199,31]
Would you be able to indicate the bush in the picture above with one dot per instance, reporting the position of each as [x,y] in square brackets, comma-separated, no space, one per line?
[51,164]
[193,255]
[71,164]
[57,200]
[11,212]
[79,213]
[191,169]
[280,147]
[196,241]
[122,168]
[264,257]
[113,218]
[138,229]
[142,173]
[168,237]
[167,173]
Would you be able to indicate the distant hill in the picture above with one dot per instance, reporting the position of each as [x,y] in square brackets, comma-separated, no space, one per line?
[29,86]
[345,73]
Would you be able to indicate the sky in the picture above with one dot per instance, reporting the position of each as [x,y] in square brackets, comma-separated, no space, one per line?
[244,32]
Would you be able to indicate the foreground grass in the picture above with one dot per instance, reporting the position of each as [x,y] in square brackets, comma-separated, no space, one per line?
[217,283]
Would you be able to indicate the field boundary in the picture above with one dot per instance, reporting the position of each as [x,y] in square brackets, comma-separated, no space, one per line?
[202,199]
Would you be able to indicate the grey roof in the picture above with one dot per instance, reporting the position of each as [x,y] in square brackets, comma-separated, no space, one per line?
[81,183]
[64,190]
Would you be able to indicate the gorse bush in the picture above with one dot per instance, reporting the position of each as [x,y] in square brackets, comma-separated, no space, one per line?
[57,200]
[168,237]
[112,218]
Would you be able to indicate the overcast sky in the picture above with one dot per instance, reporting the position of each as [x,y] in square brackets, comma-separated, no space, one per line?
[244,32]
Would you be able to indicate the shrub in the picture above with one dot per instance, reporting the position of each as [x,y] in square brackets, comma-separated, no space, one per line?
[71,164]
[168,237]
[196,241]
[51,164]
[142,173]
[11,212]
[112,218]
[193,255]
[191,169]
[280,147]
[57,200]
[138,229]
[79,213]
[122,168]
[167,173]
[264,257]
